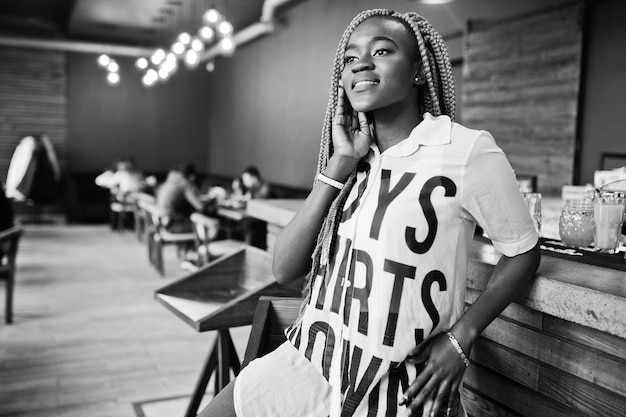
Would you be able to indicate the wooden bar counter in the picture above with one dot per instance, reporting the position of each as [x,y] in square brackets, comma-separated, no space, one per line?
[558,350]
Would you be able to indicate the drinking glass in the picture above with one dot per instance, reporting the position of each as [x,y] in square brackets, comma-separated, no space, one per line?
[608,214]
[533,202]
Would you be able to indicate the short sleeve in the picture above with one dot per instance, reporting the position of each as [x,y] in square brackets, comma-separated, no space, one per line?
[492,199]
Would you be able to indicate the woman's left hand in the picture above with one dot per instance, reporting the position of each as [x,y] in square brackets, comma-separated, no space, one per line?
[442,374]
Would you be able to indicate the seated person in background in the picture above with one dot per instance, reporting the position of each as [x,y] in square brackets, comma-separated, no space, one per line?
[178,197]
[250,185]
[124,179]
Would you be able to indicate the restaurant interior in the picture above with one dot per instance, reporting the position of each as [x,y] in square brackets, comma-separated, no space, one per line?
[106,310]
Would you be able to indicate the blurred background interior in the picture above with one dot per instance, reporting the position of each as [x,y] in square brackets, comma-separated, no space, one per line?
[552,69]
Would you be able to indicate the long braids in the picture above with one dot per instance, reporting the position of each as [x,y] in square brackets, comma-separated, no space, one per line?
[440,100]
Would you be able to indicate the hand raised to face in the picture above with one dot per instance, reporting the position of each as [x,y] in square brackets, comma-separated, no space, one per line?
[352,133]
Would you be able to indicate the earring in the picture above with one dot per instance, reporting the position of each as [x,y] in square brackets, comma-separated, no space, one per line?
[417,79]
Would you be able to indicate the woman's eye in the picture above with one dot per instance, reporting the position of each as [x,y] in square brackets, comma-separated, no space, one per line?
[381,52]
[349,59]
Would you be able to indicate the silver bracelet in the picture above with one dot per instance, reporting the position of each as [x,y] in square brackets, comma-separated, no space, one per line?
[333,183]
[458,348]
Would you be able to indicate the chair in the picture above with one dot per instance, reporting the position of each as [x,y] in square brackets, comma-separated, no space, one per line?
[9,241]
[140,214]
[272,316]
[121,208]
[208,249]
[158,236]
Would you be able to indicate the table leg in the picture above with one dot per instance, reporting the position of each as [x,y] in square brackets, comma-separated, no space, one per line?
[222,358]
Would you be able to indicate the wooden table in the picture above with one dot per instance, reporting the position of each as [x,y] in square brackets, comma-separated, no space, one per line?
[276,213]
[221,295]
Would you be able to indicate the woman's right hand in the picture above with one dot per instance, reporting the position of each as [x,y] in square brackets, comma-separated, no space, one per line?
[352,134]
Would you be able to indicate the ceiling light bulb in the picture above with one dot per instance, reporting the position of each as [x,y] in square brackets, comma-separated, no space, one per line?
[142,63]
[192,58]
[178,48]
[163,74]
[207,33]
[211,16]
[184,38]
[103,60]
[113,67]
[225,28]
[168,66]
[113,78]
[152,74]
[197,45]
[210,66]
[158,56]
[147,81]
[227,45]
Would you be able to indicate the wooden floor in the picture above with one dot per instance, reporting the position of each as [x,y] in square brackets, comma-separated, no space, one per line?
[88,339]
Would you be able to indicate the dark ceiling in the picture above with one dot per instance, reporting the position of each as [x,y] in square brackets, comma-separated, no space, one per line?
[148,23]
[129,22]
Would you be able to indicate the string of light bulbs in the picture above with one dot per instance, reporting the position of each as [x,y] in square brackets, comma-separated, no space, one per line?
[112,68]
[163,63]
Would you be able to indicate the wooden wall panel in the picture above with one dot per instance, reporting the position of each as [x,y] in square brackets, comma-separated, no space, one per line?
[521,82]
[33,99]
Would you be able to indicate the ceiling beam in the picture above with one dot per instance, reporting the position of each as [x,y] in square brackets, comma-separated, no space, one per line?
[266,25]
[75,46]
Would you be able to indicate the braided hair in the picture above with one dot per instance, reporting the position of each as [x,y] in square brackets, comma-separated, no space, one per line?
[438,100]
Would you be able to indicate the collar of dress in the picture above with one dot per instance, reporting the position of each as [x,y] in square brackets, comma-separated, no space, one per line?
[431,131]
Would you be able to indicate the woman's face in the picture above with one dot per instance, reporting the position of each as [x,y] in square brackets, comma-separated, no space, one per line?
[379,69]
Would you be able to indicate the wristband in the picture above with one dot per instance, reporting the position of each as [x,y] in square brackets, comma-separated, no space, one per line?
[458,348]
[333,183]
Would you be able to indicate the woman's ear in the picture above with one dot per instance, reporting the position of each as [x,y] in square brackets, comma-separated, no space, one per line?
[420,77]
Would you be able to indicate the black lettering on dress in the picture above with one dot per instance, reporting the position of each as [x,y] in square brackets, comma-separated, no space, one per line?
[398,380]
[295,339]
[429,280]
[347,213]
[385,197]
[329,343]
[419,336]
[321,274]
[356,389]
[341,274]
[400,272]
[372,401]
[361,294]
[429,213]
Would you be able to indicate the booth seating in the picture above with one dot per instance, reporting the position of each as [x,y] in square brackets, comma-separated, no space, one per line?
[221,295]
[9,242]
[158,236]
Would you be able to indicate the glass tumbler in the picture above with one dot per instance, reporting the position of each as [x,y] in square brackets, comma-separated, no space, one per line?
[608,214]
[576,224]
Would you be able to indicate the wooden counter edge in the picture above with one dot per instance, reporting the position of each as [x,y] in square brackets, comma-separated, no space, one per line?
[585,306]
